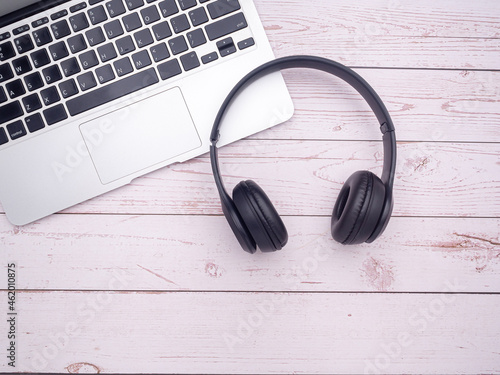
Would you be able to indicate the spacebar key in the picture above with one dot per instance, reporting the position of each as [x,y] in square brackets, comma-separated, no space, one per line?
[112,92]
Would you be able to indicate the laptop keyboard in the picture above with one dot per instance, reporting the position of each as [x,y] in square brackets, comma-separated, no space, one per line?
[98,51]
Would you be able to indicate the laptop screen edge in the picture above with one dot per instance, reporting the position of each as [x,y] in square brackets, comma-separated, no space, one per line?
[28,11]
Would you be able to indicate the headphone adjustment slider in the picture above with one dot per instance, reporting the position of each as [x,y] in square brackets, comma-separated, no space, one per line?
[387,128]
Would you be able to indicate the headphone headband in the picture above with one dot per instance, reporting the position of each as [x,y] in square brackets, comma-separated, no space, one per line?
[338,70]
[342,72]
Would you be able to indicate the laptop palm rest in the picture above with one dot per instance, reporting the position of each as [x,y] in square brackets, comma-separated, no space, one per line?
[140,135]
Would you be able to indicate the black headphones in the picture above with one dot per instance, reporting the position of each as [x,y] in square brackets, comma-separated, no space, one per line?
[365,202]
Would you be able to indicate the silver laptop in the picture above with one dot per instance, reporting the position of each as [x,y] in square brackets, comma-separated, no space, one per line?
[96,93]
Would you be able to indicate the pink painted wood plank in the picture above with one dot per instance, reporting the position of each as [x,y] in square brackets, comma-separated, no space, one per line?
[83,252]
[398,52]
[305,177]
[425,18]
[265,333]
[426,105]
[379,35]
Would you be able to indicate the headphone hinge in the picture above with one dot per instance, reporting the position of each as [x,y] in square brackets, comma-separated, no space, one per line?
[387,128]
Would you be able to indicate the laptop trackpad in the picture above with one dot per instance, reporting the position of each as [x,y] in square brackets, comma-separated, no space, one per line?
[140,135]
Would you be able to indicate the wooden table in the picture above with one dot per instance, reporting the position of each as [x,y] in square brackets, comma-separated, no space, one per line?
[150,279]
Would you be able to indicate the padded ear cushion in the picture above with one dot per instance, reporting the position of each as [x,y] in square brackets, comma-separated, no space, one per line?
[260,216]
[358,208]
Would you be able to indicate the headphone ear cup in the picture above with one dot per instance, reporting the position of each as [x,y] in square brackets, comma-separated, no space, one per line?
[358,208]
[260,216]
[237,225]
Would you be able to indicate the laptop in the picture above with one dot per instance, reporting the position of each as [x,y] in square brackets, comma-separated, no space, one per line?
[96,93]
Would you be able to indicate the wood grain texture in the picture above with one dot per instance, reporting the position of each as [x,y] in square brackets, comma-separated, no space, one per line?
[83,252]
[432,106]
[404,52]
[304,178]
[375,38]
[248,333]
[425,18]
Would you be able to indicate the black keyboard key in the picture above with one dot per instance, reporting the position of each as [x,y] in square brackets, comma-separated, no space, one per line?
[3,137]
[162,30]
[180,23]
[70,67]
[68,88]
[77,7]
[87,81]
[209,58]
[22,65]
[246,43]
[7,51]
[115,8]
[190,61]
[32,103]
[198,16]
[93,2]
[221,8]
[143,38]
[33,81]
[226,26]
[16,130]
[55,114]
[113,29]
[150,15]
[107,52]
[97,15]
[58,51]
[79,22]
[125,45]
[34,122]
[24,44]
[10,112]
[42,36]
[95,36]
[168,8]
[169,69]
[132,22]
[186,4]
[88,60]
[15,89]
[20,29]
[52,74]
[134,4]
[141,59]
[3,95]
[196,38]
[178,45]
[58,15]
[226,47]
[113,91]
[60,29]
[5,73]
[159,52]
[123,67]
[77,43]
[40,22]
[50,96]
[4,36]
[40,58]
[105,74]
